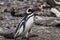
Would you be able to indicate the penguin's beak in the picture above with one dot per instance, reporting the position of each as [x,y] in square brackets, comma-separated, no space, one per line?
[36,9]
[33,10]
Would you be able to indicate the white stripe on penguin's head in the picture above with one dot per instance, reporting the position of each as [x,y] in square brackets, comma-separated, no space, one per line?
[30,10]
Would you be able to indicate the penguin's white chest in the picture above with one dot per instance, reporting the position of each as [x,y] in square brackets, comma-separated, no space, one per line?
[29,23]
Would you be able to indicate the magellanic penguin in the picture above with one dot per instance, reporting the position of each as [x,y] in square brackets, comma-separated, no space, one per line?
[23,28]
[26,24]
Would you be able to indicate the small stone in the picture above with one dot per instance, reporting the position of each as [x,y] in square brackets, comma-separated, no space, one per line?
[1,18]
[2,38]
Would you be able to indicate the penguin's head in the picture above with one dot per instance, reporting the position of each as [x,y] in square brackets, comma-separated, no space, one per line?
[30,11]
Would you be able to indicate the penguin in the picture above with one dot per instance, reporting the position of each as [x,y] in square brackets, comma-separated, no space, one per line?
[25,25]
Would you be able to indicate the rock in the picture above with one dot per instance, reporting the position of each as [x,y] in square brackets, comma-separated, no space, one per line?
[2,38]
[8,33]
[55,11]
[46,20]
[5,10]
[20,0]
[50,2]
[2,3]
[1,18]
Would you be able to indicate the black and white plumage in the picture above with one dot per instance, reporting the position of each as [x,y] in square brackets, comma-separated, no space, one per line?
[26,24]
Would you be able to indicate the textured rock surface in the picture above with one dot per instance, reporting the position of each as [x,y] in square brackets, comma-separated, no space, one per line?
[47,20]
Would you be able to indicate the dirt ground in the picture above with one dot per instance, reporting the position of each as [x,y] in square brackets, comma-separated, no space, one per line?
[44,33]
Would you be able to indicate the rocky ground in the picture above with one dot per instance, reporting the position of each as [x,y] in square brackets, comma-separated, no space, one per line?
[43,32]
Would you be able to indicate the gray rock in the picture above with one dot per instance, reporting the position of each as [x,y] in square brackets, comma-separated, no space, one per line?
[47,20]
